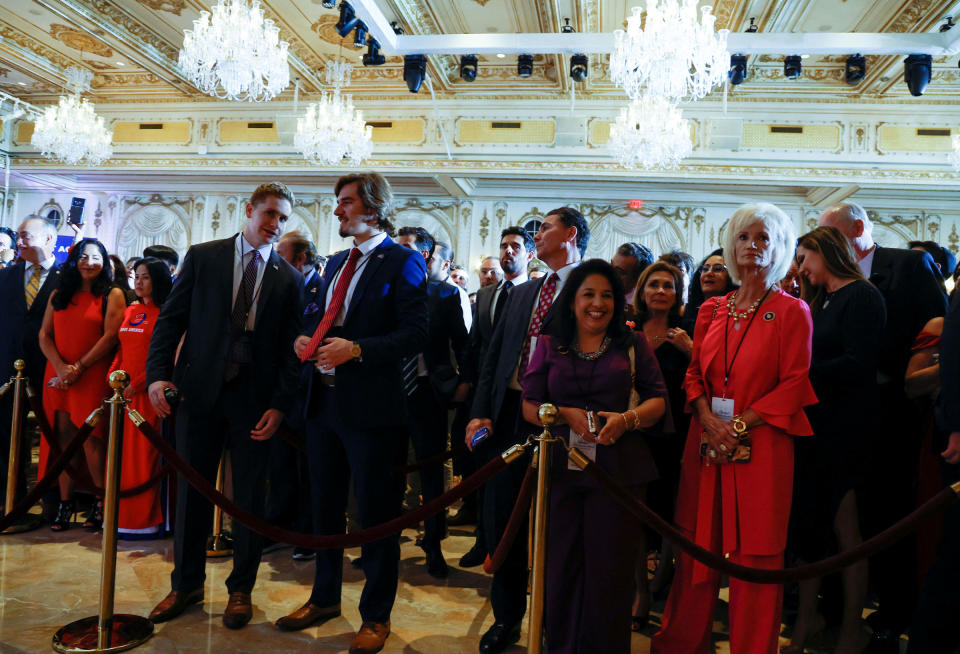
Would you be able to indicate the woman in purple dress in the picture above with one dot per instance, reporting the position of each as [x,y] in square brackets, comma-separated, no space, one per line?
[587,361]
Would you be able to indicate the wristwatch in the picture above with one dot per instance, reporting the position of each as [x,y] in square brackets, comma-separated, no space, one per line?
[739,426]
[355,351]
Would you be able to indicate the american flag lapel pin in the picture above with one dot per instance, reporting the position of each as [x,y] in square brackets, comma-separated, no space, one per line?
[380,256]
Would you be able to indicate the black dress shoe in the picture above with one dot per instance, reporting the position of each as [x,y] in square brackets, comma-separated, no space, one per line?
[499,637]
[436,564]
[884,641]
[474,557]
[464,516]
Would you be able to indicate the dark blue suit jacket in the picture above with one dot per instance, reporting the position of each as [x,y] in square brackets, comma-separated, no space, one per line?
[20,327]
[447,335]
[387,316]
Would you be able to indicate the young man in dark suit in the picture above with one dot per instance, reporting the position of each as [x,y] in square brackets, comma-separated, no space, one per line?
[238,304]
[909,283]
[25,288]
[561,243]
[373,301]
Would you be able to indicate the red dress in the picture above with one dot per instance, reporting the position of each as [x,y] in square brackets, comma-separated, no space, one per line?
[140,462]
[75,330]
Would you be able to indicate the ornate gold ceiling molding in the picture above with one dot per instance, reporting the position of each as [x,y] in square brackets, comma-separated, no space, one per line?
[34,46]
[169,6]
[74,38]
[122,19]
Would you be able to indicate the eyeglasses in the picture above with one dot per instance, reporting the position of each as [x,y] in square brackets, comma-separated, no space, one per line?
[717,268]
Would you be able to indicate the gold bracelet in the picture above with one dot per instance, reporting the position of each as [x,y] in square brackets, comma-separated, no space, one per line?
[634,420]
[626,425]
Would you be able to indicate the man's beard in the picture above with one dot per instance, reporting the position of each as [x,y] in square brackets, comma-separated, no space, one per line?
[511,269]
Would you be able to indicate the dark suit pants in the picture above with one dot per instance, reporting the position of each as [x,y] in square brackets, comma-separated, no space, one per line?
[934,629]
[591,551]
[338,451]
[200,439]
[508,590]
[288,492]
[428,434]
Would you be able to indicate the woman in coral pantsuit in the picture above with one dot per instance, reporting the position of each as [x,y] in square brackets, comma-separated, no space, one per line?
[748,373]
[140,461]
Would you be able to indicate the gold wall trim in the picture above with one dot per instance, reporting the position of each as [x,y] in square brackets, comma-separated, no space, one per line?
[169,132]
[538,132]
[238,131]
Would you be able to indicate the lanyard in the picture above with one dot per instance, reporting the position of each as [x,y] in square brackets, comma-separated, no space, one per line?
[726,327]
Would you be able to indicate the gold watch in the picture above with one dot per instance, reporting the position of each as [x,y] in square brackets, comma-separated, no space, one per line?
[739,426]
[355,351]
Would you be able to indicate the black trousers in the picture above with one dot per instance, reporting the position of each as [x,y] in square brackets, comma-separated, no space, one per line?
[200,440]
[288,485]
[338,451]
[508,590]
[428,435]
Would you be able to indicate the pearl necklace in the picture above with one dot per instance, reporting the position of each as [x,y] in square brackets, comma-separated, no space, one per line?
[740,315]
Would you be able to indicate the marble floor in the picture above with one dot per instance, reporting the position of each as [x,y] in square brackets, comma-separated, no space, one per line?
[50,579]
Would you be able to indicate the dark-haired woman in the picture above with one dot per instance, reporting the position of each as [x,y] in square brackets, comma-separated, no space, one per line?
[78,336]
[141,515]
[848,320]
[712,279]
[121,280]
[606,384]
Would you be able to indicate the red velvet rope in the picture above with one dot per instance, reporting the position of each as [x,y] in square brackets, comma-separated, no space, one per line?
[309,541]
[517,516]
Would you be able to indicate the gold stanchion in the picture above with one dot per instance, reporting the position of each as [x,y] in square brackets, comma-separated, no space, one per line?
[219,543]
[19,385]
[107,632]
[547,415]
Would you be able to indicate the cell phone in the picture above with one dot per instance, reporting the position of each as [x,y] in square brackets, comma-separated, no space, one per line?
[594,422]
[479,436]
[76,211]
[172,396]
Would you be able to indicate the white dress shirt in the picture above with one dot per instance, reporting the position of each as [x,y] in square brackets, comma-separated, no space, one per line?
[45,265]
[516,281]
[866,263]
[465,305]
[366,251]
[242,252]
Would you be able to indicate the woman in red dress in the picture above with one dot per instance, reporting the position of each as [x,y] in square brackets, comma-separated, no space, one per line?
[747,384]
[78,336]
[141,514]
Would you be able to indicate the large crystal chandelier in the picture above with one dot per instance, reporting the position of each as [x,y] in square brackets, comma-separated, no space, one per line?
[236,54]
[71,131]
[650,133]
[671,55]
[332,130]
[955,155]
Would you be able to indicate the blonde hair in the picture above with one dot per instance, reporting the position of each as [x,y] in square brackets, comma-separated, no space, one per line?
[780,228]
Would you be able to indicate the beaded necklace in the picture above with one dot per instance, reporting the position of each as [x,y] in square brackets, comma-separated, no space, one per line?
[737,316]
[592,356]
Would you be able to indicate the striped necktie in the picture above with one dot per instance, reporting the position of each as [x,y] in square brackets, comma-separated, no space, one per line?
[33,284]
[244,301]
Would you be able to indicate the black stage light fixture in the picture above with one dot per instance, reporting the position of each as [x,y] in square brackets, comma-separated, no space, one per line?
[373,56]
[738,69]
[946,26]
[568,28]
[579,67]
[396,27]
[468,67]
[753,26]
[524,65]
[792,66]
[856,69]
[414,70]
[360,35]
[916,72]
[329,4]
[348,19]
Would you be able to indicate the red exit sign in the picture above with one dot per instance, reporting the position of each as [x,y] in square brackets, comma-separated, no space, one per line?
[636,204]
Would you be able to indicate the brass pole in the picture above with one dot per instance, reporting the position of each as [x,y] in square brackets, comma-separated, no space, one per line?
[114,633]
[547,415]
[219,543]
[18,383]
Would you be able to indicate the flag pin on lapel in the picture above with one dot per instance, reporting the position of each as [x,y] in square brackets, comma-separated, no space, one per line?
[380,256]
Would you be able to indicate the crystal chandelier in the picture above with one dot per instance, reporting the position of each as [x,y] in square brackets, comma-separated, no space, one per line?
[650,133]
[672,55]
[332,130]
[71,131]
[235,54]
[955,155]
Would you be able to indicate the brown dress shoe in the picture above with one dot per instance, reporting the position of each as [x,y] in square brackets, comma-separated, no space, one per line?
[175,603]
[370,638]
[307,615]
[238,612]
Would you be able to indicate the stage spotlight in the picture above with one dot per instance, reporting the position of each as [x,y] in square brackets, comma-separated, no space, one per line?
[792,66]
[373,56]
[568,28]
[414,70]
[753,26]
[360,35]
[329,4]
[579,67]
[738,69]
[524,65]
[856,69]
[916,73]
[348,19]
[468,68]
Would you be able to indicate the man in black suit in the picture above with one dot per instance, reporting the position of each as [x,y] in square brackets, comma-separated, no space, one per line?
[561,243]
[25,288]
[630,260]
[237,303]
[373,301]
[909,283]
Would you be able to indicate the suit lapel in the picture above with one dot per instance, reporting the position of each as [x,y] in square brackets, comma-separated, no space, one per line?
[485,305]
[329,273]
[270,275]
[880,272]
[21,278]
[369,270]
[225,267]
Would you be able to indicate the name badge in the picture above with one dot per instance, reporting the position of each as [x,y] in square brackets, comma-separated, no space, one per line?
[722,407]
[587,448]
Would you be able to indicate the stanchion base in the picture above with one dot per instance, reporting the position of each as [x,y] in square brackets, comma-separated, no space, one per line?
[128,631]
[28,522]
[219,545]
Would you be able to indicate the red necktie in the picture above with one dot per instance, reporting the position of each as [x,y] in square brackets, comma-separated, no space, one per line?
[546,300]
[336,303]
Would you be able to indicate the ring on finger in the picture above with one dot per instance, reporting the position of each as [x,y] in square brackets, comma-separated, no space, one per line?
[723,448]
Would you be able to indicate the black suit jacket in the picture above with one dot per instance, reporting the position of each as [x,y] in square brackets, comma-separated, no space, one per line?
[948,409]
[909,283]
[201,304]
[481,333]
[386,317]
[447,341]
[19,326]
[311,287]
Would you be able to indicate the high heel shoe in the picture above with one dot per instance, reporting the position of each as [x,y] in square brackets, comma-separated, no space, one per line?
[94,519]
[66,511]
